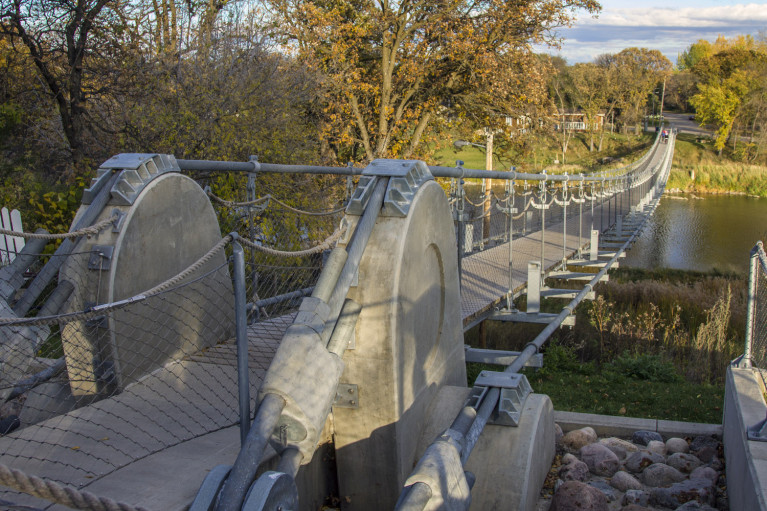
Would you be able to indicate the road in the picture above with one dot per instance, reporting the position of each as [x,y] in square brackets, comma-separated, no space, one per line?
[683,123]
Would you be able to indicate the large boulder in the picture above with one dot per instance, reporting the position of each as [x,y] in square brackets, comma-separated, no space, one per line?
[577,496]
[600,460]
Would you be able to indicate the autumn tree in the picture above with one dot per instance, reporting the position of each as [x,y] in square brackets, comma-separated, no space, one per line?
[636,72]
[591,84]
[391,68]
[731,87]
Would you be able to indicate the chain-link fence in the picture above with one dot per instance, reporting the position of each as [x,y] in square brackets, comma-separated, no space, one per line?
[122,343]
[756,318]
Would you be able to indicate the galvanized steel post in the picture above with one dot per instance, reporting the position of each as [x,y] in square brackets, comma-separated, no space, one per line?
[241,334]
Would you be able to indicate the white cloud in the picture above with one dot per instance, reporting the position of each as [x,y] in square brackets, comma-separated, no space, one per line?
[718,16]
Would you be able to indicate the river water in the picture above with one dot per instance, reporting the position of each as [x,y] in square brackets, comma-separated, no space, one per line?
[710,232]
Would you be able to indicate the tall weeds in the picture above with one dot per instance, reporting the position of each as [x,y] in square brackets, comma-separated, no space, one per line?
[693,326]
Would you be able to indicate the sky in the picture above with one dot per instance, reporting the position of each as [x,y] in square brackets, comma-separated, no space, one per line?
[669,26]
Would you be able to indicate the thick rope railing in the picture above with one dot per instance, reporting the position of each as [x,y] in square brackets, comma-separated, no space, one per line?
[233,204]
[270,198]
[325,245]
[91,230]
[60,494]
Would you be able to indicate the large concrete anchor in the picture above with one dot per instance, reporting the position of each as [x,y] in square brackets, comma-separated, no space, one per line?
[300,386]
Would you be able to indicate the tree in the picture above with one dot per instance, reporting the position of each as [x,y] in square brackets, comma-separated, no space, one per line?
[392,67]
[636,73]
[58,36]
[592,88]
[731,88]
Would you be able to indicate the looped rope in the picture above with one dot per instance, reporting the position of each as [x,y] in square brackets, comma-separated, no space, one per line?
[91,230]
[325,245]
[107,307]
[233,204]
[58,493]
[270,198]
[310,213]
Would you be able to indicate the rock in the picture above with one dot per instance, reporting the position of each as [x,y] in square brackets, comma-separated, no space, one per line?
[707,473]
[716,464]
[569,458]
[694,505]
[644,437]
[661,475]
[706,454]
[605,488]
[574,471]
[635,507]
[674,445]
[577,438]
[600,460]
[635,497]
[683,462]
[656,447]
[641,460]
[699,442]
[558,434]
[577,496]
[624,481]
[621,448]
[682,492]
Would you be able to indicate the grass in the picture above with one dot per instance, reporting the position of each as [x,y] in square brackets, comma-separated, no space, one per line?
[698,168]
[542,150]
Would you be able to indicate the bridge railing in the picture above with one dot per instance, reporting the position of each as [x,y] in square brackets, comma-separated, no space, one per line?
[755,353]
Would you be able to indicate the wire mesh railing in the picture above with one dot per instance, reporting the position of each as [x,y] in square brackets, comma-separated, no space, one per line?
[756,318]
[94,380]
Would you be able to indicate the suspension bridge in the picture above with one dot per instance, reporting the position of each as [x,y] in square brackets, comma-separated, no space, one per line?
[310,356]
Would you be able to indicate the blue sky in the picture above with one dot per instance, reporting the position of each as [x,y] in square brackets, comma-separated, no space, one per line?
[669,26]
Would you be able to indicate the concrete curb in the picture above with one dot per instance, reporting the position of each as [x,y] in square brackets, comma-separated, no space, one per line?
[608,425]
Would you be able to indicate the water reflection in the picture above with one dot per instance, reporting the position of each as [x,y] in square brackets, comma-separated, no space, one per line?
[701,234]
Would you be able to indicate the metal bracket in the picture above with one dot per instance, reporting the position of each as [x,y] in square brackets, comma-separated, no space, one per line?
[347,396]
[405,177]
[119,221]
[361,195]
[514,391]
[136,171]
[101,257]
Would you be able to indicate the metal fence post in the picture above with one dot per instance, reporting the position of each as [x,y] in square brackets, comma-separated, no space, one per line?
[564,221]
[241,324]
[512,210]
[752,283]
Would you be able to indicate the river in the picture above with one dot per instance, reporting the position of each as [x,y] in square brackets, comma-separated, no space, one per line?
[705,233]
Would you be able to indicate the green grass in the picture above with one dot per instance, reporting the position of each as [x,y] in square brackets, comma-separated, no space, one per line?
[653,390]
[698,168]
[541,151]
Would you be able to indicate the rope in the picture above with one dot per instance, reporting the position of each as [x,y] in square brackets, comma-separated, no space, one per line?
[327,244]
[232,204]
[477,204]
[310,213]
[60,494]
[278,201]
[85,231]
[191,269]
[101,309]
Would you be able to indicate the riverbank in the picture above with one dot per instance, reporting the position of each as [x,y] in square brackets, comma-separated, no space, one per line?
[697,168]
[653,344]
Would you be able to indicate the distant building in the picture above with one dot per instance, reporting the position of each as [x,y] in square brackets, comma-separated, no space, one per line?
[577,122]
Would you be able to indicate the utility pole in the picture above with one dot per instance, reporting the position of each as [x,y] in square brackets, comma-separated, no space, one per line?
[662,97]
[488,185]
